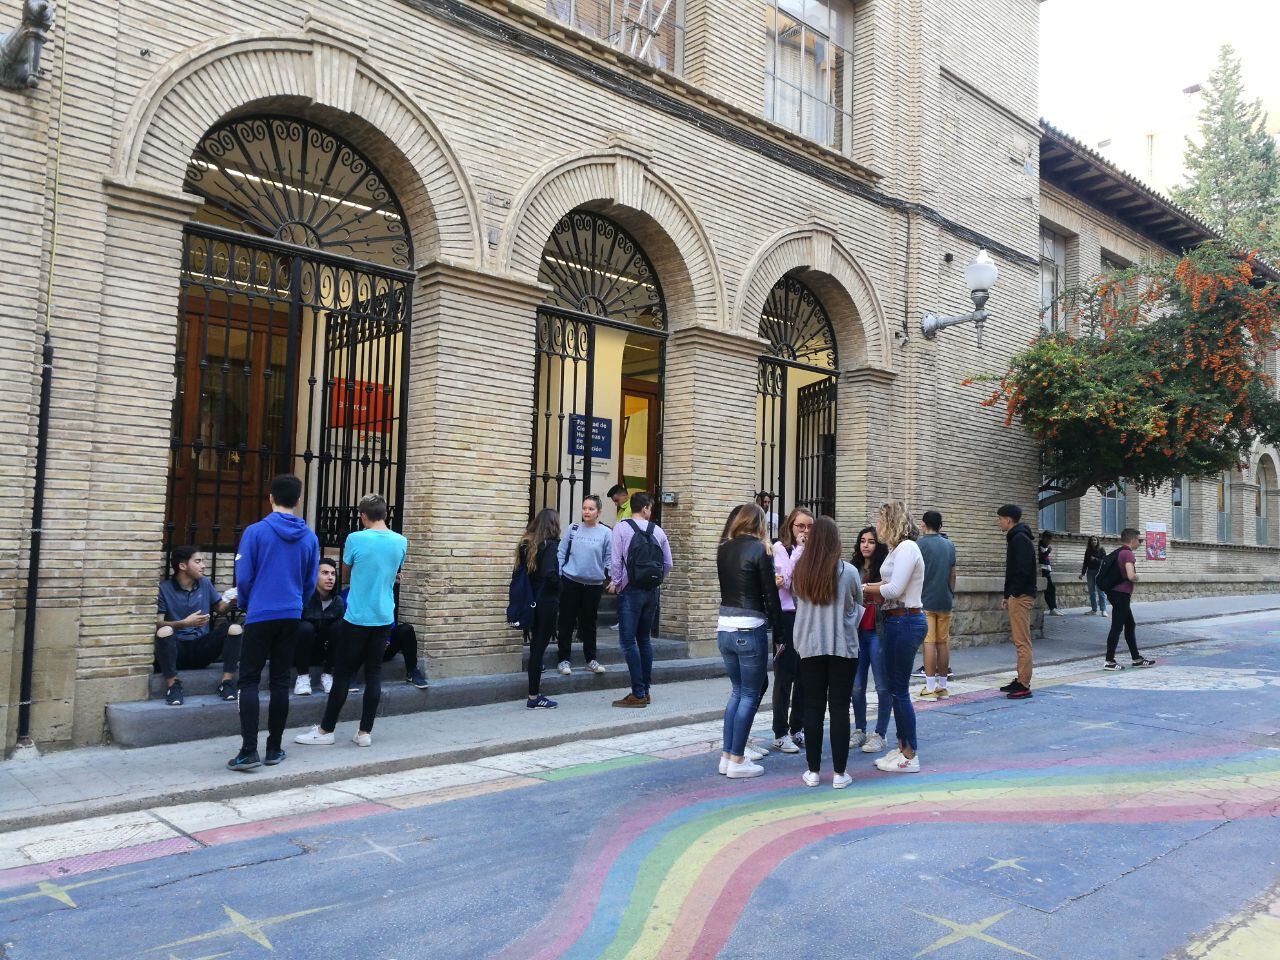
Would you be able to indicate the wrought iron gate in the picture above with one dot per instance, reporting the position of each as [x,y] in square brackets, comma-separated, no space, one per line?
[291,356]
[600,278]
[796,458]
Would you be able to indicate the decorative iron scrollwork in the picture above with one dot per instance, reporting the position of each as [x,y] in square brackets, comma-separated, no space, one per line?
[286,179]
[796,325]
[596,268]
[20,48]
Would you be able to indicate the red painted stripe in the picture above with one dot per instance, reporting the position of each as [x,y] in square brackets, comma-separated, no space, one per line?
[89,862]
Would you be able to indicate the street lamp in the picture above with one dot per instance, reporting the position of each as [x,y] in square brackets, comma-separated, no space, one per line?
[979,276]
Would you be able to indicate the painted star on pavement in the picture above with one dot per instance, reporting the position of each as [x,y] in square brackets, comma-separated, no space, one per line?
[1013,863]
[59,892]
[240,924]
[969,931]
[1086,725]
[375,847]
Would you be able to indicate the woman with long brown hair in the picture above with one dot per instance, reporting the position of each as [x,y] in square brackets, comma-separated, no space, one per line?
[868,555]
[788,696]
[748,603]
[903,627]
[828,595]
[537,553]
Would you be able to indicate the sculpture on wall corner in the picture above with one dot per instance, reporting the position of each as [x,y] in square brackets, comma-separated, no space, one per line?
[20,48]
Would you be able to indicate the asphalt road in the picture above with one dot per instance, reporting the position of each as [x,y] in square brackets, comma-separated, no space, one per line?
[1128,816]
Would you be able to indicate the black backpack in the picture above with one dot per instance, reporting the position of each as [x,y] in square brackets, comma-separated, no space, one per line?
[1109,575]
[645,562]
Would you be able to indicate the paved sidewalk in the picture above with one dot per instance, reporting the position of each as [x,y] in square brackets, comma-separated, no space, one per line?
[60,787]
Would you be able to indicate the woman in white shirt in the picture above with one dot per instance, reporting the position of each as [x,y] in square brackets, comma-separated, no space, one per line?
[901,580]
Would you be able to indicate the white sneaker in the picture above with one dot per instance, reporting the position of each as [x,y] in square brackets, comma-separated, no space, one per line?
[743,771]
[303,686]
[595,666]
[840,781]
[890,758]
[755,753]
[787,745]
[361,739]
[901,764]
[754,744]
[1055,613]
[326,682]
[874,743]
[724,766]
[810,778]
[1102,613]
[857,738]
[565,668]
[314,736]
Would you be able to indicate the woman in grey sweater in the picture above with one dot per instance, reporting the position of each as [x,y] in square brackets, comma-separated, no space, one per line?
[584,561]
[828,595]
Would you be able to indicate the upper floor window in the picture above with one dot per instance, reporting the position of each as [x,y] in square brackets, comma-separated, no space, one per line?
[1113,509]
[1180,497]
[1054,516]
[1053,272]
[808,81]
[649,30]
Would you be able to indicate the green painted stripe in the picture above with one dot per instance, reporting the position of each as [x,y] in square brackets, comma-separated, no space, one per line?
[586,769]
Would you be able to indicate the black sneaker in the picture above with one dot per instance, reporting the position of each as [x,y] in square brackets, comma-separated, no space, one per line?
[417,679]
[1019,694]
[173,696]
[227,690]
[245,761]
[1111,665]
[1144,662]
[1010,687]
[274,757]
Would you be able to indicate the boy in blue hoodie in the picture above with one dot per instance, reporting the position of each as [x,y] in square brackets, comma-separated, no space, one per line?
[275,574]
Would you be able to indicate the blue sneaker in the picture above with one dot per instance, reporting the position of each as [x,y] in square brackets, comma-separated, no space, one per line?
[542,703]
[173,696]
[245,761]
[274,757]
[417,679]
[227,691]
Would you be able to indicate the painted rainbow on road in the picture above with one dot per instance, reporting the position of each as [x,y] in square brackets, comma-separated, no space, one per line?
[668,880]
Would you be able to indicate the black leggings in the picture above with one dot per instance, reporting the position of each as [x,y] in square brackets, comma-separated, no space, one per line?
[358,645]
[316,646]
[828,683]
[404,641]
[545,616]
[788,700]
[1050,592]
[1122,618]
[579,607]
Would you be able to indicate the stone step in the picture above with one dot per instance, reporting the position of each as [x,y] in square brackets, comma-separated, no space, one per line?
[146,723]
[205,682]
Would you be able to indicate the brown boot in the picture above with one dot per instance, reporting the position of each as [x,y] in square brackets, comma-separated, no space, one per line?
[631,700]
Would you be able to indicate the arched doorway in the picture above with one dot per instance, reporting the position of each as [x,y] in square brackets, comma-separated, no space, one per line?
[1265,506]
[601,345]
[796,403]
[293,325]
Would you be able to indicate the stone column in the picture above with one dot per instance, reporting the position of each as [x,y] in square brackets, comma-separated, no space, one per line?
[864,397]
[709,464]
[471,372]
[128,465]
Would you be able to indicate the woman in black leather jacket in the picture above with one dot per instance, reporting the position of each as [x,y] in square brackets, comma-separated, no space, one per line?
[748,606]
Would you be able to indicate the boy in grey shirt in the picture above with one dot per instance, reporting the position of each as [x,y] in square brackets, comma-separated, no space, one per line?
[938,595]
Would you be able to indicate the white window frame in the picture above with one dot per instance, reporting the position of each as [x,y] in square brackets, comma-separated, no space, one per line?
[1053,274]
[1113,509]
[1180,504]
[1052,517]
[818,103]
[621,31]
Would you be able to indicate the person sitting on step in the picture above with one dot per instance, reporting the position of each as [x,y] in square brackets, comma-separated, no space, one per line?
[185,640]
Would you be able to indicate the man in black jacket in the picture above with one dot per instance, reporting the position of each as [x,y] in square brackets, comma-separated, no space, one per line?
[1019,593]
[320,630]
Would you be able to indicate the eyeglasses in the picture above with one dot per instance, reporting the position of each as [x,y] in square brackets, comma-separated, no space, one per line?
[802,526]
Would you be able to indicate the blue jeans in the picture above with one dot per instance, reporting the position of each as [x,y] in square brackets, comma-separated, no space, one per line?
[746,660]
[871,660]
[901,637]
[636,610]
[1097,598]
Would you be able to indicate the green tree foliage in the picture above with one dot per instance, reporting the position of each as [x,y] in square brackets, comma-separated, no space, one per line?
[1167,376]
[1233,175]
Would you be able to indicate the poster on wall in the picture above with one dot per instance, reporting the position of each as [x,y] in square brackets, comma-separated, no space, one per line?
[601,436]
[1157,542]
[362,405]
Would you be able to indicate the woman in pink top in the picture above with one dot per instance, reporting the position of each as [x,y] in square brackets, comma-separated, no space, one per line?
[788,724]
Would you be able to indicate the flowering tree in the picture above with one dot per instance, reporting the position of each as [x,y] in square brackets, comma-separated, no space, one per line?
[1165,376]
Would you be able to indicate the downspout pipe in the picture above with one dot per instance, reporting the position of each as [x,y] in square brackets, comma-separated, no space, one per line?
[25,742]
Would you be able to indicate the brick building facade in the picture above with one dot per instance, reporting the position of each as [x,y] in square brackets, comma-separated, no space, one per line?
[856,154]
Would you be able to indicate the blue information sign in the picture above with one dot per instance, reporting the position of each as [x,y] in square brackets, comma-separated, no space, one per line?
[601,436]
